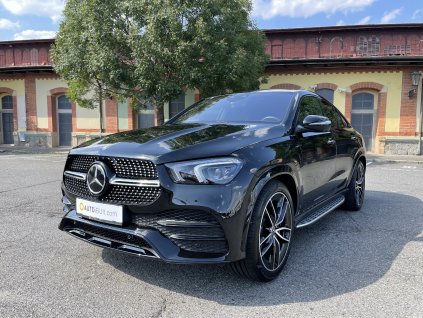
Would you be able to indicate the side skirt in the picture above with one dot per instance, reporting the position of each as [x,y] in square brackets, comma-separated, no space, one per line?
[320,212]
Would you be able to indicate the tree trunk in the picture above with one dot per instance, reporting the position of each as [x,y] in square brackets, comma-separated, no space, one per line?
[100,103]
[159,113]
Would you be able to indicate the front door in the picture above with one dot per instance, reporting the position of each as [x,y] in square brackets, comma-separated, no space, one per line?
[64,118]
[317,155]
[7,119]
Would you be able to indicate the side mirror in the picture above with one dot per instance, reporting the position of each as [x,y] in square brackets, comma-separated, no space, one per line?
[314,123]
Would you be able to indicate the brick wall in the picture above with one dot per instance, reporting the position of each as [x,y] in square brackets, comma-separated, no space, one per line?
[408,106]
[312,44]
[30,102]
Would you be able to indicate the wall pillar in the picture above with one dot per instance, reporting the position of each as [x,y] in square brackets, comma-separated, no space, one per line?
[111,115]
[30,102]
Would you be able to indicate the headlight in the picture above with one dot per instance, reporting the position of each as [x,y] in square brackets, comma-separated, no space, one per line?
[209,171]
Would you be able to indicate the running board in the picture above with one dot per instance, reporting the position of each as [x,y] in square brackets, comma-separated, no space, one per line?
[318,214]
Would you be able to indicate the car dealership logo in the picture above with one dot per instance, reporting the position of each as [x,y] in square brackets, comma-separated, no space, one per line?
[96,178]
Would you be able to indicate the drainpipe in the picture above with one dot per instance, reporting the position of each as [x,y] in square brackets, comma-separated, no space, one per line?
[421,116]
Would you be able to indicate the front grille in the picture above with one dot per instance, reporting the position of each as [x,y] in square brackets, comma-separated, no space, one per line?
[80,163]
[133,168]
[122,168]
[115,194]
[132,195]
[191,230]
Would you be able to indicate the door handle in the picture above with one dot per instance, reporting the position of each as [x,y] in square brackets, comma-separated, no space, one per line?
[331,141]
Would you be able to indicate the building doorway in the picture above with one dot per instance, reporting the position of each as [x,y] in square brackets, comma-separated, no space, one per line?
[7,119]
[363,116]
[64,120]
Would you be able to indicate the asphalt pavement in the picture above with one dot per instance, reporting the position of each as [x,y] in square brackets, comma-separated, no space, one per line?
[350,264]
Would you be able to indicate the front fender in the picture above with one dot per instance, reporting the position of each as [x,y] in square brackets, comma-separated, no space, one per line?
[261,180]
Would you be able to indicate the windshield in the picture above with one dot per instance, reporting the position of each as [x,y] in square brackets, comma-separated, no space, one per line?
[255,107]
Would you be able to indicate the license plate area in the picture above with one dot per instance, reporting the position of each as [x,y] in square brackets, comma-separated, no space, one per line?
[106,213]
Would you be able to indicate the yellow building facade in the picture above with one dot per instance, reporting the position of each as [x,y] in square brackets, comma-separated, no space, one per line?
[373,74]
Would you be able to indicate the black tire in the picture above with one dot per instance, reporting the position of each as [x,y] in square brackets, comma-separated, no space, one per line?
[269,236]
[354,197]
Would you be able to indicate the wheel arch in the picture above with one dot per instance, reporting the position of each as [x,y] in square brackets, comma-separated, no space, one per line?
[289,181]
[282,173]
[360,156]
[286,173]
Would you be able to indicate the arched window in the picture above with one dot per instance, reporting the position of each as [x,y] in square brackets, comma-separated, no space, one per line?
[326,93]
[63,102]
[64,120]
[363,116]
[7,102]
[7,119]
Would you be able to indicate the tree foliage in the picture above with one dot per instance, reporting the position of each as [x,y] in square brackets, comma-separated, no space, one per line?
[151,50]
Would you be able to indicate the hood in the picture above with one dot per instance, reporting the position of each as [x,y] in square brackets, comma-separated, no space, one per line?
[169,143]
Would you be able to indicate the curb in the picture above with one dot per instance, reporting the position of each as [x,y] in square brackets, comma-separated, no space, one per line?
[380,160]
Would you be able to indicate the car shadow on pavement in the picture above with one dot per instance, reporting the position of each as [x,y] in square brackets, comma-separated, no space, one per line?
[344,252]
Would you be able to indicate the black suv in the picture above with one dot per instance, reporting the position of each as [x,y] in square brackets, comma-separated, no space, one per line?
[228,180]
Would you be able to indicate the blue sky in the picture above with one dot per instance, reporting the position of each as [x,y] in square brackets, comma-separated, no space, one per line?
[31,19]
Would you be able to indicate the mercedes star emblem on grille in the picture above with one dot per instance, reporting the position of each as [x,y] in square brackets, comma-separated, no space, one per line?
[96,178]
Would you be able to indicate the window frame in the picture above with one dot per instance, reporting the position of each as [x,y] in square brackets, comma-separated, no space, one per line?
[296,123]
[373,111]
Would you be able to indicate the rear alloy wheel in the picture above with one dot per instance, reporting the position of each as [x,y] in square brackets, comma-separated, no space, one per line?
[270,234]
[355,195]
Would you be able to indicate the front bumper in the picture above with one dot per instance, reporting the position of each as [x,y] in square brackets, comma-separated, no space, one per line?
[139,241]
[169,232]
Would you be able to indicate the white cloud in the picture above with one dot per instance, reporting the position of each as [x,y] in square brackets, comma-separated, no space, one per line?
[267,9]
[390,16]
[34,34]
[365,20]
[418,14]
[45,8]
[340,22]
[6,24]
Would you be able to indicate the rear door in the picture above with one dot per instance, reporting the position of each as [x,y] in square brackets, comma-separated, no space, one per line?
[317,156]
[346,142]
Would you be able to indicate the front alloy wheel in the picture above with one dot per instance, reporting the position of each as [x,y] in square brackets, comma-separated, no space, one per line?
[270,234]
[275,231]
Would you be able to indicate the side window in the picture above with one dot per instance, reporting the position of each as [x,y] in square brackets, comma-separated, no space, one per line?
[343,123]
[330,112]
[309,105]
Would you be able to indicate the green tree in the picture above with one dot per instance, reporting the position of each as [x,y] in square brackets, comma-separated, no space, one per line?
[151,50]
